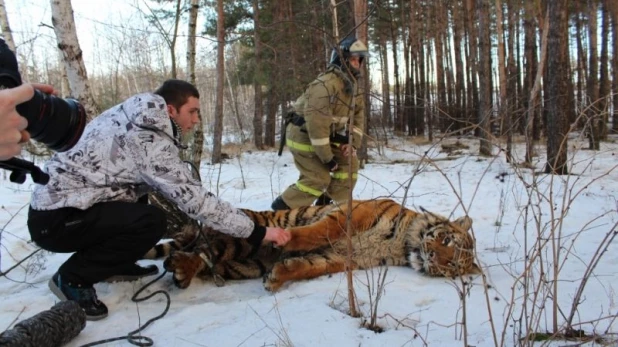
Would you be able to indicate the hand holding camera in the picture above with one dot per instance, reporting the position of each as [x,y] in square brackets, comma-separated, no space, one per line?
[57,123]
[13,126]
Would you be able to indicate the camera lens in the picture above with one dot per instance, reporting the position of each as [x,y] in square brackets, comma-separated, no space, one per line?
[57,123]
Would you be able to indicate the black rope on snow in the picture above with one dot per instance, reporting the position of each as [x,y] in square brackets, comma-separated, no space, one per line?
[131,337]
[65,320]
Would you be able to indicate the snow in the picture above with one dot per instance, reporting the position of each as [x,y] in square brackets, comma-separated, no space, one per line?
[414,310]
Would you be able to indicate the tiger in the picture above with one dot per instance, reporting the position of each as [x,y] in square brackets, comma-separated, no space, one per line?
[382,232]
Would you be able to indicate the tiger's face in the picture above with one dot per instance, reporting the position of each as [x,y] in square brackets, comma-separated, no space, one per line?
[446,249]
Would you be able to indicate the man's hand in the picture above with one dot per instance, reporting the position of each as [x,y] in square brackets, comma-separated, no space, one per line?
[348,150]
[45,88]
[278,236]
[13,125]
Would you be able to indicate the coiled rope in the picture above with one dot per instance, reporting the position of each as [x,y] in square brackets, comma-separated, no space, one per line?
[132,337]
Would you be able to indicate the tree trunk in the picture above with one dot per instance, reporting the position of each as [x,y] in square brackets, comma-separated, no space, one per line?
[449,70]
[511,95]
[503,106]
[532,78]
[460,83]
[386,94]
[557,87]
[592,85]
[193,11]
[6,28]
[472,61]
[66,36]
[514,66]
[484,76]
[613,5]
[441,104]
[258,115]
[174,38]
[65,90]
[422,94]
[400,123]
[196,145]
[581,63]
[218,131]
[604,83]
[271,116]
[362,33]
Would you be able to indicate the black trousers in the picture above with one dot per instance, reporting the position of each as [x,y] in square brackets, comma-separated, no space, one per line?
[106,238]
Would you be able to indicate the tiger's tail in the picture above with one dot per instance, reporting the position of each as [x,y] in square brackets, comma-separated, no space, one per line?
[181,241]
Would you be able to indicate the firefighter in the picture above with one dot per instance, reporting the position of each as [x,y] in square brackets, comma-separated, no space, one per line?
[318,131]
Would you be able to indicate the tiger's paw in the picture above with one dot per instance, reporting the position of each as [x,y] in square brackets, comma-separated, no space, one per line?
[274,279]
[271,283]
[184,266]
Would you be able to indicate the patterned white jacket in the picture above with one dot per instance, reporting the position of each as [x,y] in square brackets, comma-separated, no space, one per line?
[123,154]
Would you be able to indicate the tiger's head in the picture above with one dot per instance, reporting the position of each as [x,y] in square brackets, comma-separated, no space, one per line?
[442,247]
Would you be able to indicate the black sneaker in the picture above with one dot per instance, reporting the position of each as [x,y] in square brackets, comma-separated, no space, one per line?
[86,297]
[133,272]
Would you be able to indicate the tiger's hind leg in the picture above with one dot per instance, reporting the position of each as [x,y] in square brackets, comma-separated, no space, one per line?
[304,267]
[185,266]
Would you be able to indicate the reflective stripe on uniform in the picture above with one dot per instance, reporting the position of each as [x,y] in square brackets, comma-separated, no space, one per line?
[309,190]
[343,175]
[320,142]
[299,146]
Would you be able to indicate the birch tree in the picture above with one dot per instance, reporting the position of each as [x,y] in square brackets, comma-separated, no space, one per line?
[191,40]
[6,28]
[66,36]
[195,146]
[613,6]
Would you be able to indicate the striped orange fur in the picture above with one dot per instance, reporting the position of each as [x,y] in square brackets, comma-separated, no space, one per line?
[383,232]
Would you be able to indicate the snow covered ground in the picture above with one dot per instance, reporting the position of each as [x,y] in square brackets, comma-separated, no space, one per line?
[512,209]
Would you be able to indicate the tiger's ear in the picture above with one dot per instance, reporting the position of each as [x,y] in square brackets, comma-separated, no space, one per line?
[464,222]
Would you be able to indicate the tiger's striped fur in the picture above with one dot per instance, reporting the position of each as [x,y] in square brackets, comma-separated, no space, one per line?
[383,233]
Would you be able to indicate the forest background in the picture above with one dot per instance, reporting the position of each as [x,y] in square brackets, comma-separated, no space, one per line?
[488,68]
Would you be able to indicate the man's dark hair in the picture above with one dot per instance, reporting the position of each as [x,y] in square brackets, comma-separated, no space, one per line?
[176,92]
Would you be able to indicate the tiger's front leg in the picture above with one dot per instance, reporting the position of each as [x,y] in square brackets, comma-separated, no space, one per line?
[316,235]
[300,268]
[185,267]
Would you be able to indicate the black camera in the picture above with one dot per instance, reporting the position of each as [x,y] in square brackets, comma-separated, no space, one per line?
[57,123]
